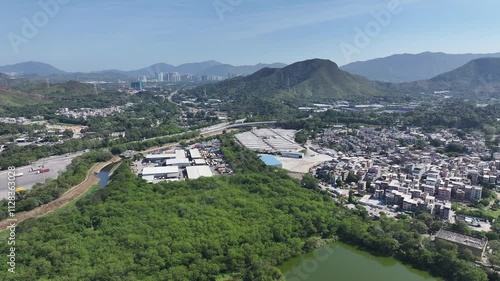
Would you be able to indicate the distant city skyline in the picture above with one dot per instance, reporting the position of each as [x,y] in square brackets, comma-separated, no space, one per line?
[96,35]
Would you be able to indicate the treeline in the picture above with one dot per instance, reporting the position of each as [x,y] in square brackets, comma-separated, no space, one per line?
[403,240]
[52,189]
[241,159]
[19,156]
[455,114]
[11,129]
[315,124]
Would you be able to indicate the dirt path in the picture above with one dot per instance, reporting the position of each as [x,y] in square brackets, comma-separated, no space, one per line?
[67,197]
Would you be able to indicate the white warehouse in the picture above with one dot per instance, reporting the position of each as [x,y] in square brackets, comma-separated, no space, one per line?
[196,172]
[178,162]
[159,157]
[195,154]
[157,172]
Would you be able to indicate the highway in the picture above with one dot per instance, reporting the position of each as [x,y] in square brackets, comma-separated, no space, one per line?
[172,95]
[238,124]
[56,164]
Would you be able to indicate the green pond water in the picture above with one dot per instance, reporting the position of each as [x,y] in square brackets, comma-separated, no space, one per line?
[340,262]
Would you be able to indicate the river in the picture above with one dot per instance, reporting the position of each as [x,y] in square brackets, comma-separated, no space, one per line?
[103,175]
[340,262]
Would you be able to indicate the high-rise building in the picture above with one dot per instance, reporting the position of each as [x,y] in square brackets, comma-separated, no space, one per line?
[477,193]
[136,85]
[174,77]
[159,76]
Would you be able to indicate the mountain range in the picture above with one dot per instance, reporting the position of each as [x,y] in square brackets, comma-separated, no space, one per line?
[212,68]
[411,67]
[320,80]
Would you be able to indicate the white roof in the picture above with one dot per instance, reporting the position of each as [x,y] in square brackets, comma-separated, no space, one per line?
[148,171]
[200,161]
[180,154]
[178,161]
[149,178]
[196,172]
[195,153]
[160,156]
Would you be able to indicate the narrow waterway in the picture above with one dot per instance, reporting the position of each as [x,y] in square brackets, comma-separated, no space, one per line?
[103,175]
[340,262]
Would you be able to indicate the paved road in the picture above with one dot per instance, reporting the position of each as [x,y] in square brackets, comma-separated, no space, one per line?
[172,95]
[56,164]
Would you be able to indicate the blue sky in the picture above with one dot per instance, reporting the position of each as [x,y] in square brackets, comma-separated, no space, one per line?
[86,35]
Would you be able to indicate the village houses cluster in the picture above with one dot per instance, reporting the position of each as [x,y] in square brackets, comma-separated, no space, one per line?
[389,166]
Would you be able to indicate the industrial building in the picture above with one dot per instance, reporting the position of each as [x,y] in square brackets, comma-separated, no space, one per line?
[180,154]
[159,157]
[477,246]
[195,154]
[292,154]
[270,160]
[196,172]
[151,173]
[200,162]
[178,162]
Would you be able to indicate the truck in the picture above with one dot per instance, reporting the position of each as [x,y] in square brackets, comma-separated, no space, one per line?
[36,169]
[41,171]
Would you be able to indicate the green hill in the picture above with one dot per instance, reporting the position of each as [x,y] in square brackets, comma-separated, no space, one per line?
[480,76]
[34,97]
[12,97]
[297,84]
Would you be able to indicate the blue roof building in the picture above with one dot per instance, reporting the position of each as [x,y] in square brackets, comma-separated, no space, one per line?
[270,160]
